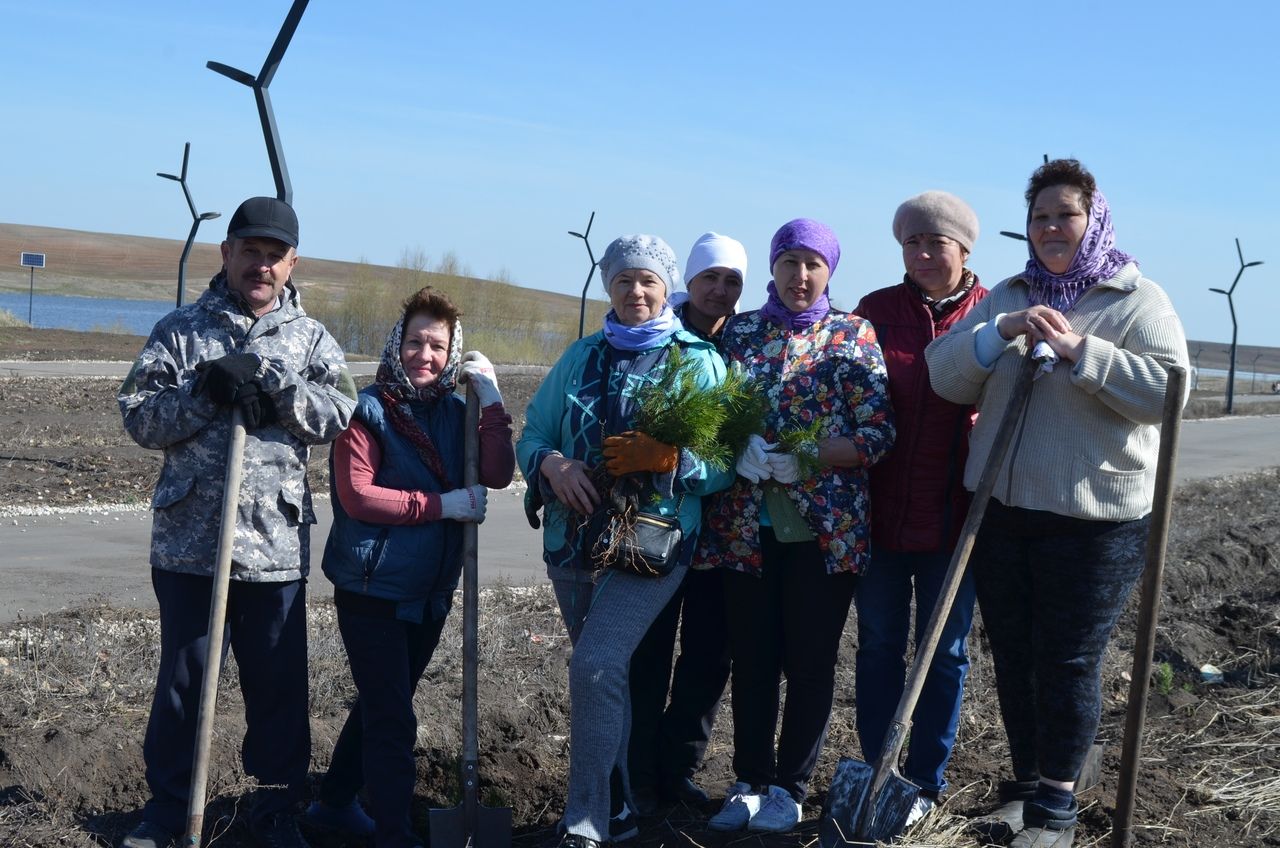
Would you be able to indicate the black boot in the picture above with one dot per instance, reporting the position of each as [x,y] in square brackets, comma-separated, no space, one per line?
[1004,821]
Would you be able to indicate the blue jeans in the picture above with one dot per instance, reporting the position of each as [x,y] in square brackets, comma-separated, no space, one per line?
[884,615]
[266,629]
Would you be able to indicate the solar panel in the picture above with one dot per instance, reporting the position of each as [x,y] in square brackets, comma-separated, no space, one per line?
[33,260]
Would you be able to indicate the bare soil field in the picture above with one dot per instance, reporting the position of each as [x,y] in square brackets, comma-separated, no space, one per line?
[75,688]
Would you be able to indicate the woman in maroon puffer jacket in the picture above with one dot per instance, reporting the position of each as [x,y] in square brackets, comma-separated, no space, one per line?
[918,500]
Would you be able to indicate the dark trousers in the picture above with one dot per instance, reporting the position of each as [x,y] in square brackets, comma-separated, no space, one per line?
[884,616]
[788,620]
[668,744]
[266,628]
[375,747]
[1050,589]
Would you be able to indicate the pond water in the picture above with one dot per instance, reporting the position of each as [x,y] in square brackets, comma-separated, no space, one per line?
[66,312]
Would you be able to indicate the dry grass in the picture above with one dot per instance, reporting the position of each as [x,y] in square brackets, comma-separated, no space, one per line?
[98,664]
[1210,772]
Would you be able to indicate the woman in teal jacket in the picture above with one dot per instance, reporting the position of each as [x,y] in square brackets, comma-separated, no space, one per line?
[581,418]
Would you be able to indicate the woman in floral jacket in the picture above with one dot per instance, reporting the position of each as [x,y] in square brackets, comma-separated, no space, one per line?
[792,531]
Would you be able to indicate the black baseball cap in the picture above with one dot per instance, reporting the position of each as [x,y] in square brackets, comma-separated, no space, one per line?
[265,217]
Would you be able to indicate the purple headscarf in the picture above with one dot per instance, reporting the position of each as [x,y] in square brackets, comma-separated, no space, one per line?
[807,234]
[1097,259]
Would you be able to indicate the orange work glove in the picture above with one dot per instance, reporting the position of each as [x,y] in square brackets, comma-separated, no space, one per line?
[633,451]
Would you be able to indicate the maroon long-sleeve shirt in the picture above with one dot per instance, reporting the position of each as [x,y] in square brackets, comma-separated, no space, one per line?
[357,456]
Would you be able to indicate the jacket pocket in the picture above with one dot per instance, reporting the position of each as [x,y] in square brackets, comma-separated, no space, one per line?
[295,509]
[1106,493]
[172,487]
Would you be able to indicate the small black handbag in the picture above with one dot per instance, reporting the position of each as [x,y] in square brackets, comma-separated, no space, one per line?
[649,547]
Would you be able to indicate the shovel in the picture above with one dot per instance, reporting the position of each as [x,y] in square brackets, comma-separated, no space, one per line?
[1149,609]
[217,618]
[470,824]
[867,803]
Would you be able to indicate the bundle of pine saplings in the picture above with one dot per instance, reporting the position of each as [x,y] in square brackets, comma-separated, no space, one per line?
[712,422]
[801,440]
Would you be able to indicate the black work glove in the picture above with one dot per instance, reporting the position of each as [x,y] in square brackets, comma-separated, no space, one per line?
[224,376]
[256,406]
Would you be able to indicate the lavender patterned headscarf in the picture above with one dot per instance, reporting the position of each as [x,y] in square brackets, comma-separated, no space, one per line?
[811,235]
[1097,259]
[392,379]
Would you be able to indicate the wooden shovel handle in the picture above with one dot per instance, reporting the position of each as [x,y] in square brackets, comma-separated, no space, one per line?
[1149,608]
[901,722]
[470,618]
[217,618]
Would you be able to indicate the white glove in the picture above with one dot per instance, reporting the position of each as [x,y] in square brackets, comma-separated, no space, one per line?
[784,467]
[753,463]
[465,504]
[477,370]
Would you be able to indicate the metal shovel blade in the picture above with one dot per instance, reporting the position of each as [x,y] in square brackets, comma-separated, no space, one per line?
[888,811]
[491,829]
[845,799]
[854,816]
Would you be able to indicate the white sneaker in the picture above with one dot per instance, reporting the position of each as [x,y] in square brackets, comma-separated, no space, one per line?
[920,808]
[778,814]
[740,807]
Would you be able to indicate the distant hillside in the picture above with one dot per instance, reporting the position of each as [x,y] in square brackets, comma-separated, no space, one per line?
[356,301]
[109,265]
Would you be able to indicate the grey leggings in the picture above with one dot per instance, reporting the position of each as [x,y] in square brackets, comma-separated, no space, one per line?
[606,621]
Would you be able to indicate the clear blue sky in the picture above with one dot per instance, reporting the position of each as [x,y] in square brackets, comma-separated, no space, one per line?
[490,129]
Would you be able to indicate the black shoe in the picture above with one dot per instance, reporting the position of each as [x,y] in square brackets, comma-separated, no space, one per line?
[1046,827]
[1003,823]
[647,800]
[278,830]
[623,826]
[683,789]
[577,840]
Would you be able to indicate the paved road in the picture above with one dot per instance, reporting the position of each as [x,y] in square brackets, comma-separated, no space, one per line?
[55,561]
[52,562]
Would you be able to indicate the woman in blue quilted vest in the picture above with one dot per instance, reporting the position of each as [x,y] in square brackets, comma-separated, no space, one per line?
[395,551]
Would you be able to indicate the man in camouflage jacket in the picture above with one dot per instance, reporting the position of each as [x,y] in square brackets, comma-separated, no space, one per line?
[246,342]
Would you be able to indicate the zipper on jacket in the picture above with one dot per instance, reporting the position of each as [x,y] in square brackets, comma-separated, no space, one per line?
[375,557]
[1017,443]
[953,472]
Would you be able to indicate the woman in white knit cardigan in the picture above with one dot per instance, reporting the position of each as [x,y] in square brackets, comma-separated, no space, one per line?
[1062,543]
